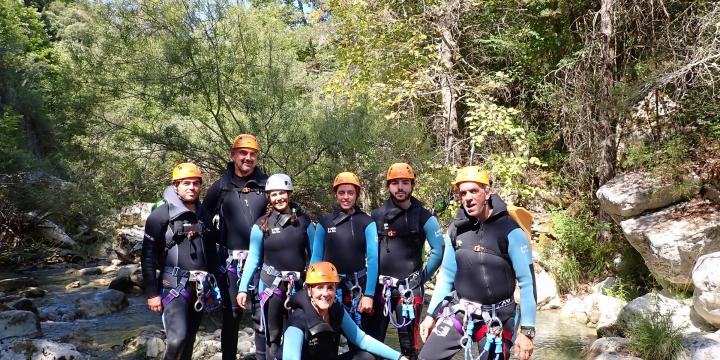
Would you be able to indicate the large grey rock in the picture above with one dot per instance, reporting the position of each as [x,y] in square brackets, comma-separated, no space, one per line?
[121,283]
[17,283]
[670,241]
[608,310]
[546,288]
[38,349]
[608,348]
[149,344]
[101,303]
[19,323]
[24,304]
[706,297]
[683,317]
[127,244]
[632,193]
[703,346]
[52,232]
[32,292]
[135,214]
[94,270]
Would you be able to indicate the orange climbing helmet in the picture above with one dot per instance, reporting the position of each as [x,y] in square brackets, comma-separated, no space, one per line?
[246,141]
[346,177]
[400,171]
[473,174]
[186,170]
[322,272]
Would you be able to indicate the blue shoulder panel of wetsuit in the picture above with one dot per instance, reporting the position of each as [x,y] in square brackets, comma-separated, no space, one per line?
[434,236]
[355,335]
[253,259]
[445,280]
[521,258]
[371,251]
[311,239]
[318,249]
[292,343]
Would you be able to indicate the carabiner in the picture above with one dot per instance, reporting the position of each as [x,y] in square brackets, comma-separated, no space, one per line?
[198,305]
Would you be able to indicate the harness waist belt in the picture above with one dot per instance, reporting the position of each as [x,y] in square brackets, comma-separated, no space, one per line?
[475,308]
[239,255]
[285,275]
[359,274]
[191,275]
[410,282]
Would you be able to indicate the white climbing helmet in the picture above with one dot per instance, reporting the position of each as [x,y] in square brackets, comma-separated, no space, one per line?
[278,182]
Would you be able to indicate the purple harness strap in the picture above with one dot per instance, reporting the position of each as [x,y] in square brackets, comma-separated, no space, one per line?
[172,294]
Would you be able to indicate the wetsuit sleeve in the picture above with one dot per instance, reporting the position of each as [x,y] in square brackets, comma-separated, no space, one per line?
[253,259]
[152,249]
[212,198]
[434,236]
[445,281]
[311,237]
[521,258]
[365,342]
[292,343]
[318,248]
[371,250]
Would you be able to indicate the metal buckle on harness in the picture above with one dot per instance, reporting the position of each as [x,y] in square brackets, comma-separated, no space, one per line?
[174,293]
[175,271]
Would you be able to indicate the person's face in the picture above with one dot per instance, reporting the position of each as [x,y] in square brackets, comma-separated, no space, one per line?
[280,200]
[188,189]
[346,195]
[322,295]
[245,160]
[473,197]
[400,189]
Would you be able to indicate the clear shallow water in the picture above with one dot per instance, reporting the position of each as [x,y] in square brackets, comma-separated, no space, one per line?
[557,338]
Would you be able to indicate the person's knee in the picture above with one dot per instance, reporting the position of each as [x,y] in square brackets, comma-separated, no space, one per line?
[175,344]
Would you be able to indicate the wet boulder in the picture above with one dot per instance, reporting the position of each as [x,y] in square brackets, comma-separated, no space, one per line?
[671,240]
[19,323]
[101,303]
[610,348]
[24,304]
[32,292]
[127,244]
[148,344]
[38,349]
[632,193]
[706,296]
[15,284]
[651,304]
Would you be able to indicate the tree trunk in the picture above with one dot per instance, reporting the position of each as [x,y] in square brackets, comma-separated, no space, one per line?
[606,117]
[452,122]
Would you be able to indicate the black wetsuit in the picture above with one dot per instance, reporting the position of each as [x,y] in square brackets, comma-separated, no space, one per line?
[482,262]
[170,249]
[286,247]
[402,235]
[239,201]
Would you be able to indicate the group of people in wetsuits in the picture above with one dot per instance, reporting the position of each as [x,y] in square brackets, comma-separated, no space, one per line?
[248,246]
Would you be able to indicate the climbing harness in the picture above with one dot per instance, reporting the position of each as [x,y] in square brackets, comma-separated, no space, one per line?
[407,297]
[492,327]
[355,293]
[274,289]
[206,289]
[239,256]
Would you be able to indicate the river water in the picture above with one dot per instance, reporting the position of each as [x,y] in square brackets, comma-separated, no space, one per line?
[557,338]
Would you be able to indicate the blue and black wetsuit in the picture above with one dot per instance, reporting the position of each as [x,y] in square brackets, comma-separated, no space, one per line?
[349,241]
[239,202]
[284,251]
[177,241]
[402,234]
[481,264]
[308,336]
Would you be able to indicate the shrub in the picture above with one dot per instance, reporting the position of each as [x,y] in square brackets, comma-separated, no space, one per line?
[655,336]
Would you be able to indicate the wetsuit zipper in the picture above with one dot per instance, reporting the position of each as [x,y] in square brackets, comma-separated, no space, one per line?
[483,271]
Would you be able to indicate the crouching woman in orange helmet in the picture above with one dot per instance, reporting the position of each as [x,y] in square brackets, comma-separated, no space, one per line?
[317,321]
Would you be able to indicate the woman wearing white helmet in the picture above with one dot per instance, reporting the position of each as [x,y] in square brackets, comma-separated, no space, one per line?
[281,241]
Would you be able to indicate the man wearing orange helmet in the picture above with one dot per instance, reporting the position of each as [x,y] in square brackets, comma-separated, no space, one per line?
[317,321]
[486,252]
[404,226]
[347,237]
[179,243]
[238,199]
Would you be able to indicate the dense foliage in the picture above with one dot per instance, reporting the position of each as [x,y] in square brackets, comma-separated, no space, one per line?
[553,97]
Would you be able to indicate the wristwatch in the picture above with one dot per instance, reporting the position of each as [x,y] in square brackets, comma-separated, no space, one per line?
[528,331]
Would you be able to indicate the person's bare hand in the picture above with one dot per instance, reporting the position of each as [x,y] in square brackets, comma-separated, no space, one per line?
[426,327]
[523,347]
[366,305]
[155,304]
[241,299]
